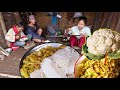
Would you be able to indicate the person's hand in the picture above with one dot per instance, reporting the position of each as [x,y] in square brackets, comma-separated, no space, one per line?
[68,29]
[17,37]
[42,40]
[83,35]
[39,31]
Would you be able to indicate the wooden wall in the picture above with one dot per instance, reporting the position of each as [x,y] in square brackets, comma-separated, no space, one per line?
[65,22]
[108,20]
[42,19]
[97,19]
[90,16]
[10,19]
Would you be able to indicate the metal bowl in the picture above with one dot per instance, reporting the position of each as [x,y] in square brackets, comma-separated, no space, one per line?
[26,54]
[35,48]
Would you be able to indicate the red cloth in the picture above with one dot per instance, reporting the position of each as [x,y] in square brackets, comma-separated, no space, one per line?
[12,45]
[23,36]
[77,42]
[15,30]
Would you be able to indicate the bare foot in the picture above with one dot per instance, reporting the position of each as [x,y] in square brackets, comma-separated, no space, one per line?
[27,44]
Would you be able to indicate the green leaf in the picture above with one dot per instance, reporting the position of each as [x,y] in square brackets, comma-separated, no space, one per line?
[85,48]
[90,55]
[95,57]
[114,55]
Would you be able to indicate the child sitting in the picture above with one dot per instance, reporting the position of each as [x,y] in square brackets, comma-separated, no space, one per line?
[79,32]
[52,29]
[16,37]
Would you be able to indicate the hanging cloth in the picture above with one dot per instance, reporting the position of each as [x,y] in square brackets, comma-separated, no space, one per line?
[54,20]
[78,14]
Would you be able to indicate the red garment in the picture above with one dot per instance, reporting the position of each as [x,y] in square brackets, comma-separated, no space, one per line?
[12,45]
[75,42]
[15,30]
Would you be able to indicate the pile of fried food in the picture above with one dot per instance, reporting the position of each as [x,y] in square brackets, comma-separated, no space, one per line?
[32,62]
[103,68]
[101,54]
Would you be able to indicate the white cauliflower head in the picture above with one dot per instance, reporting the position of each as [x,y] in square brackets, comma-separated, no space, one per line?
[103,41]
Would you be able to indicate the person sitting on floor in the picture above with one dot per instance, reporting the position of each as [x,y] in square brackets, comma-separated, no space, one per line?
[78,33]
[16,37]
[52,29]
[34,30]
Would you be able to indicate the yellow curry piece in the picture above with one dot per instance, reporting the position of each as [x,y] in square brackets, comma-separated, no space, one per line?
[99,68]
[32,62]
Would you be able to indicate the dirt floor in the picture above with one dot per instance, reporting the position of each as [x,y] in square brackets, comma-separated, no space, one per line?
[10,66]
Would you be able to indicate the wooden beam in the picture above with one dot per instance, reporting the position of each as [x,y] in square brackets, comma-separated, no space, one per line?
[3,27]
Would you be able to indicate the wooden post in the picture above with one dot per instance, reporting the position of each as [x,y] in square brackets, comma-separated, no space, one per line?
[3,27]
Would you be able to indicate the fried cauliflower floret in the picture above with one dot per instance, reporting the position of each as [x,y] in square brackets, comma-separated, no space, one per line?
[102,41]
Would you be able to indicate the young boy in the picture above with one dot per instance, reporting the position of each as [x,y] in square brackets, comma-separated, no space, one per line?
[16,37]
[79,32]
